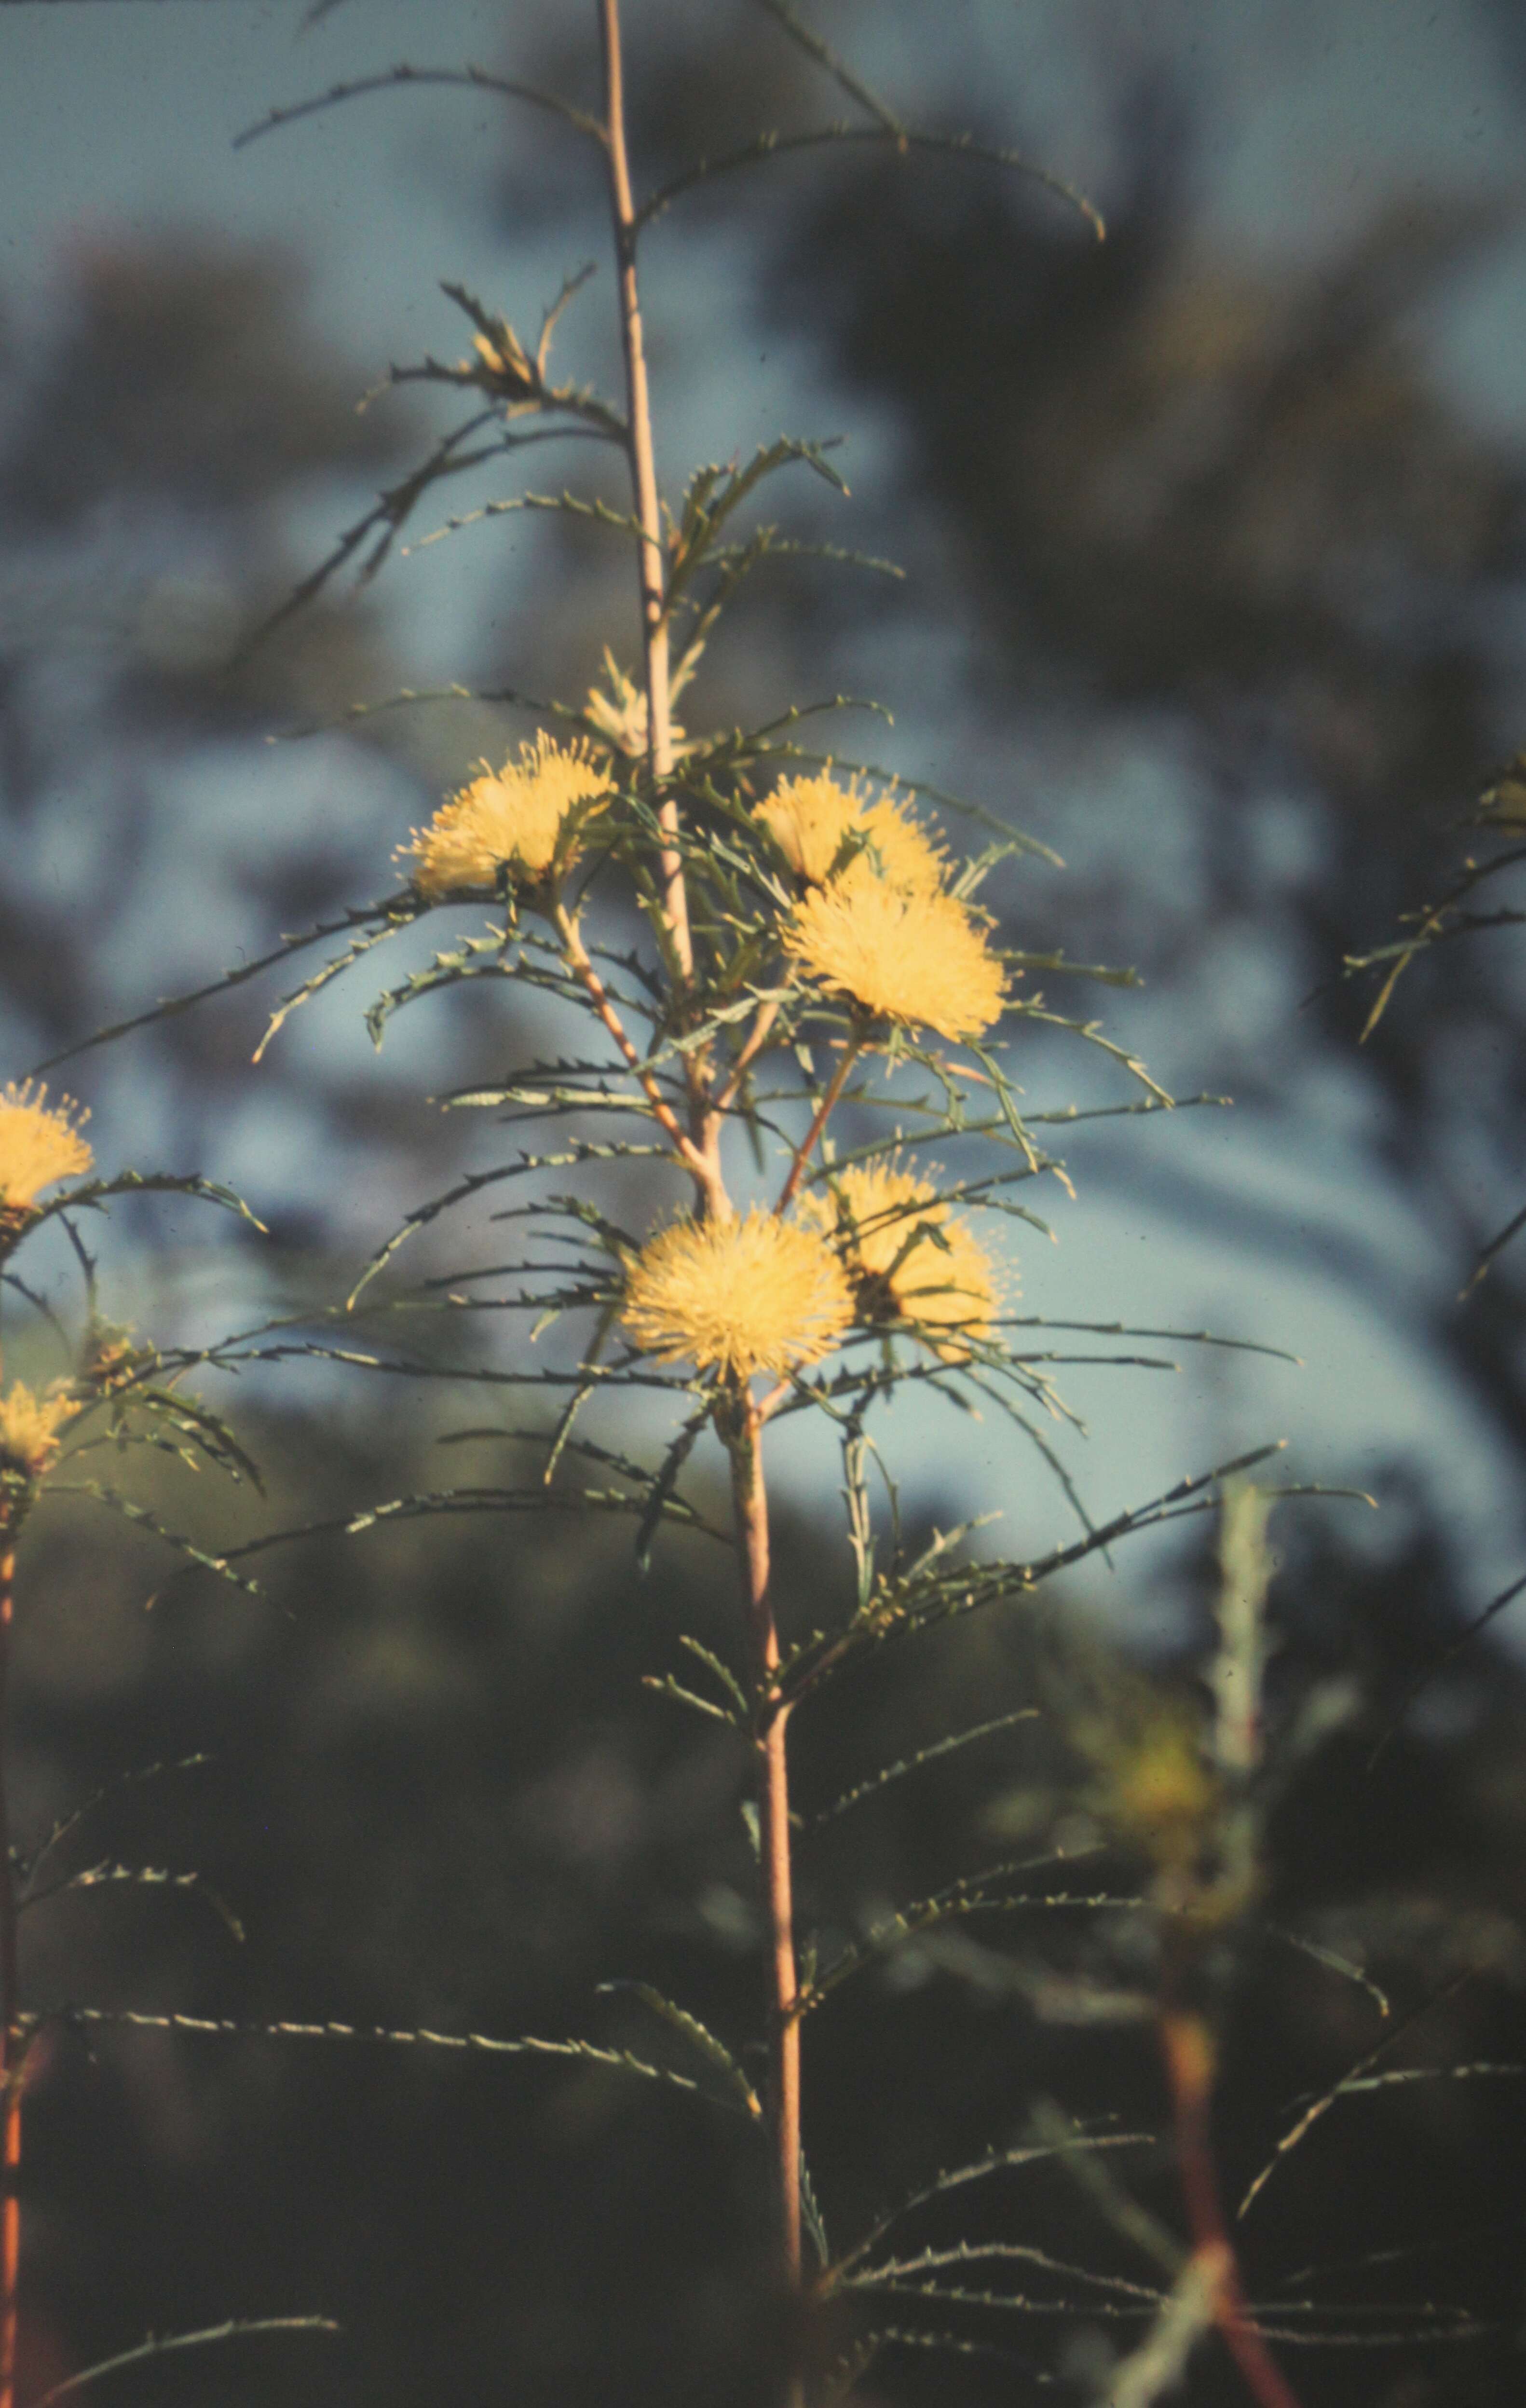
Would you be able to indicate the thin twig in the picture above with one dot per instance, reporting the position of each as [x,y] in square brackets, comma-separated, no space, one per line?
[1449,1655]
[577,2052]
[474,79]
[159,2344]
[841,72]
[1327,2098]
[772,145]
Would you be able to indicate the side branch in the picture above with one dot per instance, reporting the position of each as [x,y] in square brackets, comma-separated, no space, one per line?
[838,69]
[903,138]
[474,79]
[693,1161]
[160,2346]
[823,1112]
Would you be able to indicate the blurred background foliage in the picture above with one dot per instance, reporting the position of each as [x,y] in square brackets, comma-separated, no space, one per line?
[1215,572]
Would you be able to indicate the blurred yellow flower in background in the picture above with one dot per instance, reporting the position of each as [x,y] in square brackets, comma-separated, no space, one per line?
[39,1143]
[1155,1788]
[945,1284]
[29,1429]
[920,958]
[739,1296]
[513,818]
[810,818]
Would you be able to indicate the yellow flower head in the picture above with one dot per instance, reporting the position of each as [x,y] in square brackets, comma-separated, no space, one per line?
[29,1428]
[950,1287]
[920,958]
[809,818]
[1156,1790]
[513,818]
[754,1294]
[37,1144]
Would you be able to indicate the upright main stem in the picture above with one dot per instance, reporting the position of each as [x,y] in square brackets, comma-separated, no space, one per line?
[1188,2047]
[752,1504]
[11,2043]
[749,1493]
[654,625]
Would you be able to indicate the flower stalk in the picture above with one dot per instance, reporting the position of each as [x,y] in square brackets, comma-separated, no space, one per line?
[771,1715]
[703,1167]
[823,1112]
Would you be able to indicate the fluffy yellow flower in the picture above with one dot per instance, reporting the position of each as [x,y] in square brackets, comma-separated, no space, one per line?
[808,819]
[920,958]
[754,1294]
[952,1289]
[29,1428]
[37,1144]
[512,818]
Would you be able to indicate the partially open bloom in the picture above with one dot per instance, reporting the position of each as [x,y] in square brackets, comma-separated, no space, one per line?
[514,818]
[920,958]
[882,1219]
[739,1296]
[39,1143]
[505,361]
[810,818]
[29,1429]
[618,708]
[111,1360]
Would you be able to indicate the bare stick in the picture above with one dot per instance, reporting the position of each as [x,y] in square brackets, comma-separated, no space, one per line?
[751,1506]
[644,482]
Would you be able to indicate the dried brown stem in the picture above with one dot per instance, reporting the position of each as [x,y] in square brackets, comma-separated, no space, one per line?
[1187,2048]
[644,482]
[750,1500]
